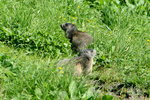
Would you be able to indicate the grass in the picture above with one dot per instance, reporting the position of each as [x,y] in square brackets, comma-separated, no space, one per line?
[31,77]
[31,30]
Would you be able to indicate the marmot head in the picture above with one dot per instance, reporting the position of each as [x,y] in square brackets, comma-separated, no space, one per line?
[68,27]
[88,53]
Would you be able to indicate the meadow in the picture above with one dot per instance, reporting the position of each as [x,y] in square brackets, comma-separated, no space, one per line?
[32,42]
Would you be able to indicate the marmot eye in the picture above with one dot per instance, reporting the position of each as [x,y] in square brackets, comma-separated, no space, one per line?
[66,24]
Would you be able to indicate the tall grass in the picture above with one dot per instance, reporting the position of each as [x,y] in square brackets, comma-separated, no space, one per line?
[36,24]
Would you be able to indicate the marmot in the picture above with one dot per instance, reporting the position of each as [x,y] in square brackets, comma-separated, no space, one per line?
[79,40]
[82,64]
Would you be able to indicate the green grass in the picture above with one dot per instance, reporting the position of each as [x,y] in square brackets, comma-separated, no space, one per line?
[31,77]
[31,29]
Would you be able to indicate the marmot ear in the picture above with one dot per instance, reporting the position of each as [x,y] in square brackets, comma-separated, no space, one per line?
[75,28]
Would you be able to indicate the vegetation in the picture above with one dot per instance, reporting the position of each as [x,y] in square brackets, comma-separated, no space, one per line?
[35,42]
